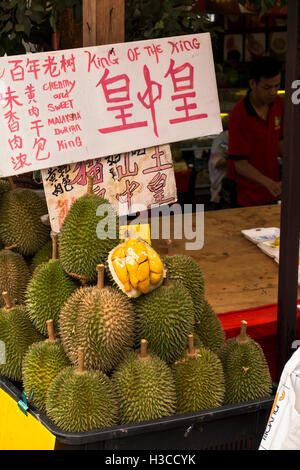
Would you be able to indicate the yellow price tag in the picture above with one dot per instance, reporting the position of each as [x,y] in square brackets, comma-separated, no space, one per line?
[20,431]
[141,230]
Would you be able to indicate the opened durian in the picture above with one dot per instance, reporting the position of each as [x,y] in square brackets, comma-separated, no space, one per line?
[17,333]
[14,275]
[47,291]
[209,328]
[80,247]
[135,267]
[165,317]
[101,320]
[247,374]
[20,220]
[79,400]
[199,380]
[144,386]
[42,363]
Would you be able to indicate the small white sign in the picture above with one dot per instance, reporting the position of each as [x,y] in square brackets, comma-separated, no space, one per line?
[73,105]
[141,177]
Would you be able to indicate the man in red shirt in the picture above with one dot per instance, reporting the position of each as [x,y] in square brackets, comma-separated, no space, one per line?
[255,137]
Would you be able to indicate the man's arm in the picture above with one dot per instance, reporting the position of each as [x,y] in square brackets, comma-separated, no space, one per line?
[245,169]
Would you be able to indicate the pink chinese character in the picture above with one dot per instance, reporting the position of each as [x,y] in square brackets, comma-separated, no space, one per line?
[66,63]
[86,169]
[156,186]
[34,111]
[11,99]
[17,72]
[159,166]
[37,126]
[181,83]
[33,66]
[50,66]
[119,94]
[19,162]
[30,93]
[127,171]
[15,142]
[151,96]
[40,144]
[126,196]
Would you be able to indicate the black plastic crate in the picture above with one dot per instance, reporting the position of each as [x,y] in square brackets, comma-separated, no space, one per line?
[231,427]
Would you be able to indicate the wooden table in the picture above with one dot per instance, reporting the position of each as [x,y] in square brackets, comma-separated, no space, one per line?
[237,274]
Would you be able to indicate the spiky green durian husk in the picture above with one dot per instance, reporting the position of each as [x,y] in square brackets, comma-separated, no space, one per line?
[165,317]
[14,276]
[199,382]
[145,388]
[247,374]
[47,291]
[184,269]
[210,329]
[78,402]
[42,363]
[80,248]
[20,223]
[17,334]
[102,322]
[43,255]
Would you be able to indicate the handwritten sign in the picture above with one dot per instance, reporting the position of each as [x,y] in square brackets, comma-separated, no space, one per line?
[144,176]
[72,105]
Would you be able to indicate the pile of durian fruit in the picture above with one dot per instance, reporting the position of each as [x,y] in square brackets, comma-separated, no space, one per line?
[106,332]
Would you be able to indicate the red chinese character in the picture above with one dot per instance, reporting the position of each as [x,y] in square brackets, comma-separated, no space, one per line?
[13,124]
[126,196]
[159,166]
[11,99]
[50,66]
[123,94]
[181,83]
[30,93]
[65,63]
[17,72]
[156,186]
[95,170]
[127,171]
[151,96]
[34,111]
[33,67]
[37,126]
[40,144]
[15,142]
[19,162]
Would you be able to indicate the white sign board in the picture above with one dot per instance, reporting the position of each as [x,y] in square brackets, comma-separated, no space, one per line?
[142,177]
[76,104]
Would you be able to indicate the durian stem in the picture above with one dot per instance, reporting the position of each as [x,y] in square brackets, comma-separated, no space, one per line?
[80,368]
[90,184]
[100,278]
[6,297]
[50,328]
[191,348]
[54,237]
[169,246]
[11,247]
[166,279]
[143,350]
[242,337]
[11,183]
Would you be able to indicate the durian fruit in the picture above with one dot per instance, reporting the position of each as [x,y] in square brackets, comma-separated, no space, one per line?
[209,328]
[199,380]
[14,275]
[135,267]
[165,317]
[17,334]
[145,387]
[101,320]
[79,400]
[20,220]
[47,291]
[184,269]
[43,255]
[247,375]
[42,363]
[79,246]
[4,186]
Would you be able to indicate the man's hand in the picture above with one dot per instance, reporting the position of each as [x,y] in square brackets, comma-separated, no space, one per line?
[274,187]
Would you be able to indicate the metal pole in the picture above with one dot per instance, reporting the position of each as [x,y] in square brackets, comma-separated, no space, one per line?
[290,210]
